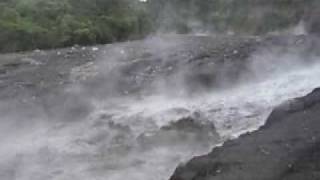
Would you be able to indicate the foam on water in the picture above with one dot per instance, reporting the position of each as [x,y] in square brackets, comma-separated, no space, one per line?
[106,145]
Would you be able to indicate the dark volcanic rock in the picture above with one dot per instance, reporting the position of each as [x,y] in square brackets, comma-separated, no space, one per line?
[287,147]
[189,124]
[187,130]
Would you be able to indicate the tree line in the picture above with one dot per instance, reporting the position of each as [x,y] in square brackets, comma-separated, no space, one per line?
[32,24]
[237,16]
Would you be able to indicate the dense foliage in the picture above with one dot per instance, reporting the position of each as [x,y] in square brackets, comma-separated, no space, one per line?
[238,16]
[31,24]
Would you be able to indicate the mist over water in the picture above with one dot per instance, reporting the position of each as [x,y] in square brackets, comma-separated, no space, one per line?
[100,132]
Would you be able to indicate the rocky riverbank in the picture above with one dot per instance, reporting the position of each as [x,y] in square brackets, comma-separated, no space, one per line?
[286,148]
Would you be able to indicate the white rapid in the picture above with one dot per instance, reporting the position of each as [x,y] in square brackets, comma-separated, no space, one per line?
[122,138]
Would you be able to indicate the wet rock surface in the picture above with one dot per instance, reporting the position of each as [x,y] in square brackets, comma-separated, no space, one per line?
[188,130]
[287,147]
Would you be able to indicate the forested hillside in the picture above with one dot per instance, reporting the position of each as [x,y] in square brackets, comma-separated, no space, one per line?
[238,16]
[31,24]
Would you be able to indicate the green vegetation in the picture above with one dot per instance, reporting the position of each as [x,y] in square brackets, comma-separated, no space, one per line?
[31,24]
[238,16]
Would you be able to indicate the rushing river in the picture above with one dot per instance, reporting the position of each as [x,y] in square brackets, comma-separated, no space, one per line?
[143,137]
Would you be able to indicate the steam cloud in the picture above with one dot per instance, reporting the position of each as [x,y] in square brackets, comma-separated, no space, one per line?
[120,117]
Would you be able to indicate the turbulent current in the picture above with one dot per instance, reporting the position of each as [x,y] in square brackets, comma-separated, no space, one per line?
[146,136]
